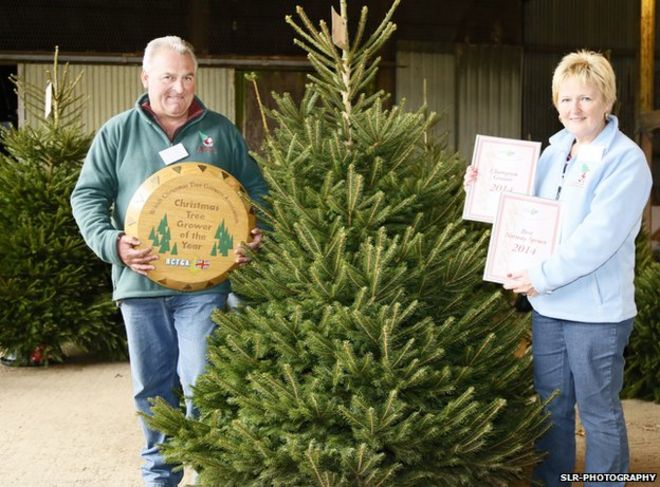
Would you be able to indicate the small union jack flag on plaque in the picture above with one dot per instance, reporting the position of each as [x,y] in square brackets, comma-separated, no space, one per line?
[202,264]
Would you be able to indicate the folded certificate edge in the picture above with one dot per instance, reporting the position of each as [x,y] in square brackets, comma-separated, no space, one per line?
[467,205]
[488,276]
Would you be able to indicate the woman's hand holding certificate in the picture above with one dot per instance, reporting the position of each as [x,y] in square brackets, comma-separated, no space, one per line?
[498,165]
[519,283]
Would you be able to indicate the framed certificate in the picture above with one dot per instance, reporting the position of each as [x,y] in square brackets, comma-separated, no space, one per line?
[526,230]
[503,165]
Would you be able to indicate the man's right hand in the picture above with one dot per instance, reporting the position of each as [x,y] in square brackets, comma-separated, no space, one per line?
[137,260]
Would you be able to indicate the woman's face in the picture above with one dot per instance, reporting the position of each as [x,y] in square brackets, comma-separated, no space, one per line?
[582,109]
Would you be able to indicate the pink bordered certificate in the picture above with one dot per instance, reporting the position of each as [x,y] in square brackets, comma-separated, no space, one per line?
[525,231]
[503,165]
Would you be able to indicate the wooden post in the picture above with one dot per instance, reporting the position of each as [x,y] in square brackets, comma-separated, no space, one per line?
[646,58]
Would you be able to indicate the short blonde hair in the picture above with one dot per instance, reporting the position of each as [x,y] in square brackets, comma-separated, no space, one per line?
[173,43]
[588,67]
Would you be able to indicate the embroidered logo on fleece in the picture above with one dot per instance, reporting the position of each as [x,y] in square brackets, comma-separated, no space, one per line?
[582,175]
[207,145]
[589,157]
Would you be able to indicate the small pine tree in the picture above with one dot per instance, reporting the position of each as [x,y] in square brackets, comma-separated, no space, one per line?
[370,352]
[53,290]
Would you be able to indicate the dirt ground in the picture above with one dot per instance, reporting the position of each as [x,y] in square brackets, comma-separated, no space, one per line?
[74,425]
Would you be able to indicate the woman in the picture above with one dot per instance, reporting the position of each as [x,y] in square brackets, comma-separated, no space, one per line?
[583,295]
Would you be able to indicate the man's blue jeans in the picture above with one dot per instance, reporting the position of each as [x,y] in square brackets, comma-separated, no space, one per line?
[584,361]
[167,342]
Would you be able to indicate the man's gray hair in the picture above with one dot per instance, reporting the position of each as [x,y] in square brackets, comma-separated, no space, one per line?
[173,43]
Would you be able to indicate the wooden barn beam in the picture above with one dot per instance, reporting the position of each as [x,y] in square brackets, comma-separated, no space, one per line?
[646,114]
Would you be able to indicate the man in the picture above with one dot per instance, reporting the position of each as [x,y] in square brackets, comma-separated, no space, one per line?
[167,329]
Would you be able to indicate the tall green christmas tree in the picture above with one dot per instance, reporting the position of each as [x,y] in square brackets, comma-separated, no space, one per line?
[368,352]
[53,290]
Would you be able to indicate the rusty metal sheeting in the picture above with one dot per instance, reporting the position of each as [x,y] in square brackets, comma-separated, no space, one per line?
[489,93]
[476,89]
[421,66]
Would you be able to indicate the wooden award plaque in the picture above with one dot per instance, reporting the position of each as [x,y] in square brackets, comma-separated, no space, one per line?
[194,216]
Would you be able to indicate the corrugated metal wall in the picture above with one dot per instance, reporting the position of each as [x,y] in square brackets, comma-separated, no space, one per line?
[490,95]
[216,87]
[420,62]
[477,89]
[111,89]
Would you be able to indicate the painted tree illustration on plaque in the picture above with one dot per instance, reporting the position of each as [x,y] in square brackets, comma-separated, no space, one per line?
[161,237]
[165,241]
[153,236]
[224,241]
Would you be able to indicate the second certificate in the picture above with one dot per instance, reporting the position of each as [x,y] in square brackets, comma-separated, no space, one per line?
[526,231]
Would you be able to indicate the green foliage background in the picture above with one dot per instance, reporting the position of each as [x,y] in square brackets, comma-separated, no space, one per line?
[642,372]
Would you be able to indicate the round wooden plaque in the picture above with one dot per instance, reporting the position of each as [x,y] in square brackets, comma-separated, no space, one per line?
[193,215]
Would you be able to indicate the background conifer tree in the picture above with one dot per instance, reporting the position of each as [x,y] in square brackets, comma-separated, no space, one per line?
[368,352]
[642,373]
[53,290]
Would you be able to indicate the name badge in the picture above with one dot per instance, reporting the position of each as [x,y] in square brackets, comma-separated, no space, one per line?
[173,154]
[591,154]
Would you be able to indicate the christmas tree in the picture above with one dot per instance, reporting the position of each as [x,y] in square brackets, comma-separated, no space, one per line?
[368,352]
[53,290]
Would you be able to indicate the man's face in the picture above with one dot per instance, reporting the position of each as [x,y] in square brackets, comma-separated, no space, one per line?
[170,84]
